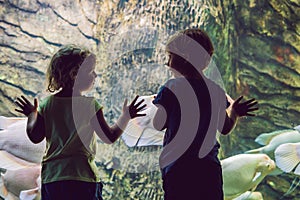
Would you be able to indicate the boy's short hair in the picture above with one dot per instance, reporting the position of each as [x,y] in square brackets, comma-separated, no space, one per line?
[192,49]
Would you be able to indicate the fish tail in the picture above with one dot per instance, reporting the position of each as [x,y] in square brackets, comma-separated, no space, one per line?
[29,194]
[287,158]
[259,150]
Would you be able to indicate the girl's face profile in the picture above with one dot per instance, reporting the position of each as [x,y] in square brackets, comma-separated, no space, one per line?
[85,78]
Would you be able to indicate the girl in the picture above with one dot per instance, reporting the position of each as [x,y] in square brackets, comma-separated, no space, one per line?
[67,120]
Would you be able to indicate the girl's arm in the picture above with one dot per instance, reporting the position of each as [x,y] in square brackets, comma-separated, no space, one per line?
[35,124]
[237,110]
[110,134]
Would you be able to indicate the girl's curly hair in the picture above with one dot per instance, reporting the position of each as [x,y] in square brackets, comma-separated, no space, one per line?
[64,66]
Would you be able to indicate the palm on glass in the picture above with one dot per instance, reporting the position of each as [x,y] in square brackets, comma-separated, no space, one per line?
[25,107]
[245,108]
[133,109]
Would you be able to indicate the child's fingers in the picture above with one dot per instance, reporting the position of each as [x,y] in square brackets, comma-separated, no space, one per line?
[133,102]
[125,104]
[20,111]
[20,101]
[250,101]
[141,108]
[18,104]
[139,103]
[252,109]
[252,104]
[25,99]
[250,115]
[36,104]
[238,100]
[140,115]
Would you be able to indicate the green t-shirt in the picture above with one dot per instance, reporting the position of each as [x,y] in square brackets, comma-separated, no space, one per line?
[71,141]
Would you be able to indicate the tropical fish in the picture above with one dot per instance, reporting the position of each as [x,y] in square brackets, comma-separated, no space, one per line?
[287,157]
[140,130]
[14,140]
[273,139]
[244,172]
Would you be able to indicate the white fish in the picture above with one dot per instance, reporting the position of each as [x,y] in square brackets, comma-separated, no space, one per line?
[19,177]
[287,157]
[13,139]
[140,130]
[273,139]
[14,182]
[243,172]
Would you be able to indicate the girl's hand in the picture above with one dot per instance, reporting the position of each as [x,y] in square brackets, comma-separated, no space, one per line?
[132,110]
[26,106]
[243,109]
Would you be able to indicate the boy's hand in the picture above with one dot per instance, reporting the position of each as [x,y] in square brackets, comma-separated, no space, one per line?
[26,106]
[132,110]
[243,109]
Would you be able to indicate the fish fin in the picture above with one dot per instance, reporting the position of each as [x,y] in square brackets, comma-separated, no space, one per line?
[254,151]
[256,176]
[297,170]
[265,138]
[276,172]
[28,194]
[286,157]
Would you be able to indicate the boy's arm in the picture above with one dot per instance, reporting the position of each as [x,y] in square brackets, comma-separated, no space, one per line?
[35,124]
[160,118]
[110,134]
[237,110]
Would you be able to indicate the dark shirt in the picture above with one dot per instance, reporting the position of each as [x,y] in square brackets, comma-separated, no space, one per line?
[195,108]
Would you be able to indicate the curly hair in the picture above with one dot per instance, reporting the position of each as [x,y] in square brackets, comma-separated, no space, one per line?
[64,66]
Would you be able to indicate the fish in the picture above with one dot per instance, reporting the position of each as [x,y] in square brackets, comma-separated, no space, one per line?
[16,182]
[273,139]
[140,130]
[14,140]
[287,157]
[244,172]
[19,179]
